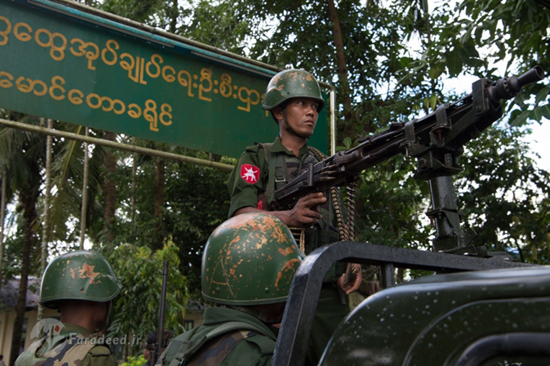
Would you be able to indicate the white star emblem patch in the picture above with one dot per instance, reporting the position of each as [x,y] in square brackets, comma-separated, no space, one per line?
[250,173]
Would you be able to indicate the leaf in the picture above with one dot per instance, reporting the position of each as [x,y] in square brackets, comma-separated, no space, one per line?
[435,71]
[545,109]
[454,63]
[347,142]
[542,94]
[520,120]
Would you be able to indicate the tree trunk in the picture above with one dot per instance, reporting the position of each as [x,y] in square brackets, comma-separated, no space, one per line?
[28,200]
[174,17]
[2,217]
[342,67]
[159,201]
[46,212]
[110,190]
[134,172]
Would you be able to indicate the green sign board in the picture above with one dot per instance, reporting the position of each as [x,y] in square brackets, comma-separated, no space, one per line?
[79,66]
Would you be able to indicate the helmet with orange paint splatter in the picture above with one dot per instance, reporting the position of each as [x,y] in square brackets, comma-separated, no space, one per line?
[292,83]
[250,259]
[80,275]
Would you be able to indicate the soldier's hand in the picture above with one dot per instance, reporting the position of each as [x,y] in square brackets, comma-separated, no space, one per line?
[304,213]
[350,287]
[306,210]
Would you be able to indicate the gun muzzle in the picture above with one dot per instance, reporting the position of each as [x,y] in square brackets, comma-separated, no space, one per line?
[509,87]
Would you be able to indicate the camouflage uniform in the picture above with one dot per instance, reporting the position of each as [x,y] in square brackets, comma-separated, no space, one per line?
[333,304]
[236,348]
[74,346]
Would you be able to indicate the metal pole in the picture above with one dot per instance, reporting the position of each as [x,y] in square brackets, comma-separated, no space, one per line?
[160,332]
[2,216]
[115,145]
[332,100]
[84,194]
[46,218]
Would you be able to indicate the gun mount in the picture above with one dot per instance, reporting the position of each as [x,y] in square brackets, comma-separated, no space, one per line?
[436,141]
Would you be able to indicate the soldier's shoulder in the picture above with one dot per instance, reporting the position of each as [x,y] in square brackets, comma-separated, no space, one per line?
[254,154]
[99,355]
[254,148]
[265,344]
[100,350]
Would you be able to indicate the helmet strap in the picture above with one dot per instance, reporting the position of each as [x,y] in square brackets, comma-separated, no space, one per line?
[288,128]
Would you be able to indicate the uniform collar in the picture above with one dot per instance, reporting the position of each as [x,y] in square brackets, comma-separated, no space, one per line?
[69,328]
[279,147]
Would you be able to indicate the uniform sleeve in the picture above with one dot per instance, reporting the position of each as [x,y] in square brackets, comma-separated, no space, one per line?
[248,179]
[99,356]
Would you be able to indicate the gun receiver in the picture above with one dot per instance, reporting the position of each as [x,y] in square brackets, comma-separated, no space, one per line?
[436,140]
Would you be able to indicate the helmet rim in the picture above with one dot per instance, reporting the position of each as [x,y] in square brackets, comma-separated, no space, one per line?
[290,84]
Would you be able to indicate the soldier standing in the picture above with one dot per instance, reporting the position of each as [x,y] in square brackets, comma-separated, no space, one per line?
[247,268]
[81,285]
[294,99]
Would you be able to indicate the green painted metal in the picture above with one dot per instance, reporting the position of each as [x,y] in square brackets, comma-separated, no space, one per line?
[433,320]
[80,275]
[250,259]
[80,65]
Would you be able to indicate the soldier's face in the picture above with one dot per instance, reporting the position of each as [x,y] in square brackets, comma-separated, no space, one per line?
[301,116]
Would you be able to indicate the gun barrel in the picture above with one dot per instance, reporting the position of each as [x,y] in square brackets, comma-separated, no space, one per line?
[537,73]
[509,87]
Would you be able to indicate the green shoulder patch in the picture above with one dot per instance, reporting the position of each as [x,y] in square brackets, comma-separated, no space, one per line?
[266,344]
[253,148]
[100,350]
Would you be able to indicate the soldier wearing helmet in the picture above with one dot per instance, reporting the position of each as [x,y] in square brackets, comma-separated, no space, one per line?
[247,268]
[82,286]
[294,99]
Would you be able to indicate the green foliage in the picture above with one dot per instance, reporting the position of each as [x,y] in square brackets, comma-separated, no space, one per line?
[392,206]
[137,308]
[505,198]
[397,55]
[135,361]
[196,201]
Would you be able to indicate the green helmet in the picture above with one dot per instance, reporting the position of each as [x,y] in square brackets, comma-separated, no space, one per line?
[250,259]
[80,275]
[292,84]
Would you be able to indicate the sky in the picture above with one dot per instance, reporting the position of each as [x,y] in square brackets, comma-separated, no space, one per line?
[538,142]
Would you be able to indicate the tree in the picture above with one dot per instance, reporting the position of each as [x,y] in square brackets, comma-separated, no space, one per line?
[23,156]
[365,50]
[139,270]
[196,202]
[505,199]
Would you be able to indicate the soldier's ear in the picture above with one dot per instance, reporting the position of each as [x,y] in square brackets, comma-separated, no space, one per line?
[277,113]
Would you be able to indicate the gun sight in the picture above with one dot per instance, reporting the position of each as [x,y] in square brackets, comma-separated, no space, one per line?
[509,87]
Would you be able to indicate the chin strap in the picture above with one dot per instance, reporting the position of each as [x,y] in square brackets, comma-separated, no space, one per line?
[290,129]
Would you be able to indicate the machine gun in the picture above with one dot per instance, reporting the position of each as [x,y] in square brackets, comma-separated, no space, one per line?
[435,140]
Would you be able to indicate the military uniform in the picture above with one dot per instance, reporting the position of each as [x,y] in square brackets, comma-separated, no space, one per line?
[250,186]
[239,347]
[74,346]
